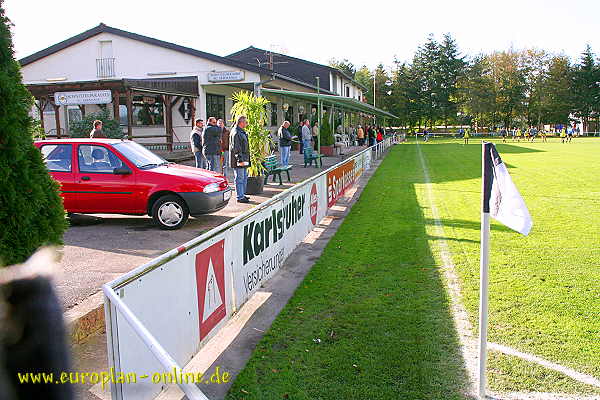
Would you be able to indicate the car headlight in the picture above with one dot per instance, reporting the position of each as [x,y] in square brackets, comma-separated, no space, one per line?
[213,187]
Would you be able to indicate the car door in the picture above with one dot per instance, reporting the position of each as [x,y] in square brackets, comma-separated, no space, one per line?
[100,189]
[59,159]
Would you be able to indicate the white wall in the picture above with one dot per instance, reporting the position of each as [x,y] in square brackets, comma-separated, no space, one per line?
[133,59]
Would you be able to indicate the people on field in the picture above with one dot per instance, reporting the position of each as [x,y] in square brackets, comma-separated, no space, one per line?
[519,134]
[570,133]
[466,136]
[224,145]
[563,135]
[97,132]
[285,143]
[503,134]
[532,133]
[196,143]
[543,135]
[211,145]
[239,150]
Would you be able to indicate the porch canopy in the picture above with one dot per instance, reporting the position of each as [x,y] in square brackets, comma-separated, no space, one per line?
[339,101]
[171,90]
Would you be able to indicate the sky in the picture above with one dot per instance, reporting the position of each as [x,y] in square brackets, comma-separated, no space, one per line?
[365,32]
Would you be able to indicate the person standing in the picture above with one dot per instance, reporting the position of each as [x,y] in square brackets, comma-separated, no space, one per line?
[239,150]
[361,136]
[97,132]
[301,145]
[315,135]
[306,135]
[196,143]
[211,145]
[285,143]
[224,144]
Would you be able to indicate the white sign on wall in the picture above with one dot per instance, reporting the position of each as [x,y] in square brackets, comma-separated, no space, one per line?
[226,76]
[83,97]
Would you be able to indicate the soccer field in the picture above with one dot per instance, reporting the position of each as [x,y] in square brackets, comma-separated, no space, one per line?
[376,298]
[544,288]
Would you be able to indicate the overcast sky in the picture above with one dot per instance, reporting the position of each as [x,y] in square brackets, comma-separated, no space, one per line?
[365,32]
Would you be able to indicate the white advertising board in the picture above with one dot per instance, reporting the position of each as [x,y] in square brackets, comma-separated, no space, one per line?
[184,301]
[83,97]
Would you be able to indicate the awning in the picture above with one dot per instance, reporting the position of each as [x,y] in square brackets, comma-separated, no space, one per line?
[342,102]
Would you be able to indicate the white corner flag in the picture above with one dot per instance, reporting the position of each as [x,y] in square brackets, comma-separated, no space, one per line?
[501,200]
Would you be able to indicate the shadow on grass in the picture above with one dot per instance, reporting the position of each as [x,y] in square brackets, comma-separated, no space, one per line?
[372,319]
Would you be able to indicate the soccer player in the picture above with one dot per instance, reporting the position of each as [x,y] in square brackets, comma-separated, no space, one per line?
[532,133]
[466,136]
[570,134]
[518,134]
[543,135]
[503,133]
[526,134]
[563,135]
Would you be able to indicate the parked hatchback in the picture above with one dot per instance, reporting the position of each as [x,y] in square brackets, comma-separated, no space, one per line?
[122,177]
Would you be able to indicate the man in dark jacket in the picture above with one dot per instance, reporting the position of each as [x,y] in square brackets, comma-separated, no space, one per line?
[224,144]
[239,151]
[196,143]
[211,145]
[285,143]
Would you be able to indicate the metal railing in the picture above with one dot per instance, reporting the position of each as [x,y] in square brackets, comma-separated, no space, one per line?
[111,297]
[105,67]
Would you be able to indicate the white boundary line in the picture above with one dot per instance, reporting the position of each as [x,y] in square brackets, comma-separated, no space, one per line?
[464,328]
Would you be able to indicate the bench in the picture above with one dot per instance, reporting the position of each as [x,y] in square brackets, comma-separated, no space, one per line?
[271,168]
[310,155]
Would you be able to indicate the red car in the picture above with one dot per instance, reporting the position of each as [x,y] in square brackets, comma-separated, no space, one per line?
[122,177]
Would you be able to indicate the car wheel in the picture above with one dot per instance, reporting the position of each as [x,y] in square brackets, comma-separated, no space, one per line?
[170,212]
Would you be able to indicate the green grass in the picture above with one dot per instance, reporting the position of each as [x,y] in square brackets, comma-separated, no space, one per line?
[544,288]
[376,301]
[376,298]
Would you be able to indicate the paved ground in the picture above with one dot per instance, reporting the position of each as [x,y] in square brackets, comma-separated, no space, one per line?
[102,247]
[234,346]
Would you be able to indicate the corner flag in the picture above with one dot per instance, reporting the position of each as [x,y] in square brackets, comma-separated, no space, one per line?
[500,199]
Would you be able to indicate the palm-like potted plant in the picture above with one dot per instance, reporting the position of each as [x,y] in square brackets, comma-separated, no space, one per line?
[259,139]
[327,139]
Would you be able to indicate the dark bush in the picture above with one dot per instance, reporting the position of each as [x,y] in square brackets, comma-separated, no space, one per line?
[110,127]
[31,210]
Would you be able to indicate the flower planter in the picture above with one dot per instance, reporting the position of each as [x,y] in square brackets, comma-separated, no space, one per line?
[255,185]
[327,151]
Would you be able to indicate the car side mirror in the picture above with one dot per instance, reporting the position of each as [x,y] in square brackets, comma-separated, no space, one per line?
[122,171]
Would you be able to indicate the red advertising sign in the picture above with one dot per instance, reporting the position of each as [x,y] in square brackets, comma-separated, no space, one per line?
[210,279]
[314,204]
[339,180]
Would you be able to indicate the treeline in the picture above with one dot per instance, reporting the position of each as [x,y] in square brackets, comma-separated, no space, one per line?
[510,88]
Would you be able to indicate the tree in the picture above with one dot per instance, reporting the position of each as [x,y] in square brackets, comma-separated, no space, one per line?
[451,68]
[557,93]
[478,92]
[585,78]
[31,210]
[344,65]
[426,68]
[365,78]
[110,127]
[382,87]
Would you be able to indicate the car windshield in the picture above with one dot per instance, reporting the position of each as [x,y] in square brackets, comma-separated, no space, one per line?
[139,155]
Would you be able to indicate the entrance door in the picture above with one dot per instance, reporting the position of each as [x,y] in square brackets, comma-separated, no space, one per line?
[99,189]
[59,161]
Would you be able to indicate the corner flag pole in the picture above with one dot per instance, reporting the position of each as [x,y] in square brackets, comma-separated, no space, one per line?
[486,171]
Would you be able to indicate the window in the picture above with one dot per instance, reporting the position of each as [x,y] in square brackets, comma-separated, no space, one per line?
[147,111]
[347,91]
[97,159]
[57,157]
[215,106]
[274,114]
[289,115]
[74,114]
[139,155]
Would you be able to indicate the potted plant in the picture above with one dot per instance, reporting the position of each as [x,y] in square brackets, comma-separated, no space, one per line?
[259,139]
[327,138]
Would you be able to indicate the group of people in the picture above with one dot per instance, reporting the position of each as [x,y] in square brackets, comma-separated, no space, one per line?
[215,147]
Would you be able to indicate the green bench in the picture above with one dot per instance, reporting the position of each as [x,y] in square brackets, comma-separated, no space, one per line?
[310,155]
[272,168]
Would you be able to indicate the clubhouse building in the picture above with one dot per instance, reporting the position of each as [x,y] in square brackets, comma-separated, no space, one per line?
[156,89]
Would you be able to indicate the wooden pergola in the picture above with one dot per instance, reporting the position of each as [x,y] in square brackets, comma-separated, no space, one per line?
[171,89]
